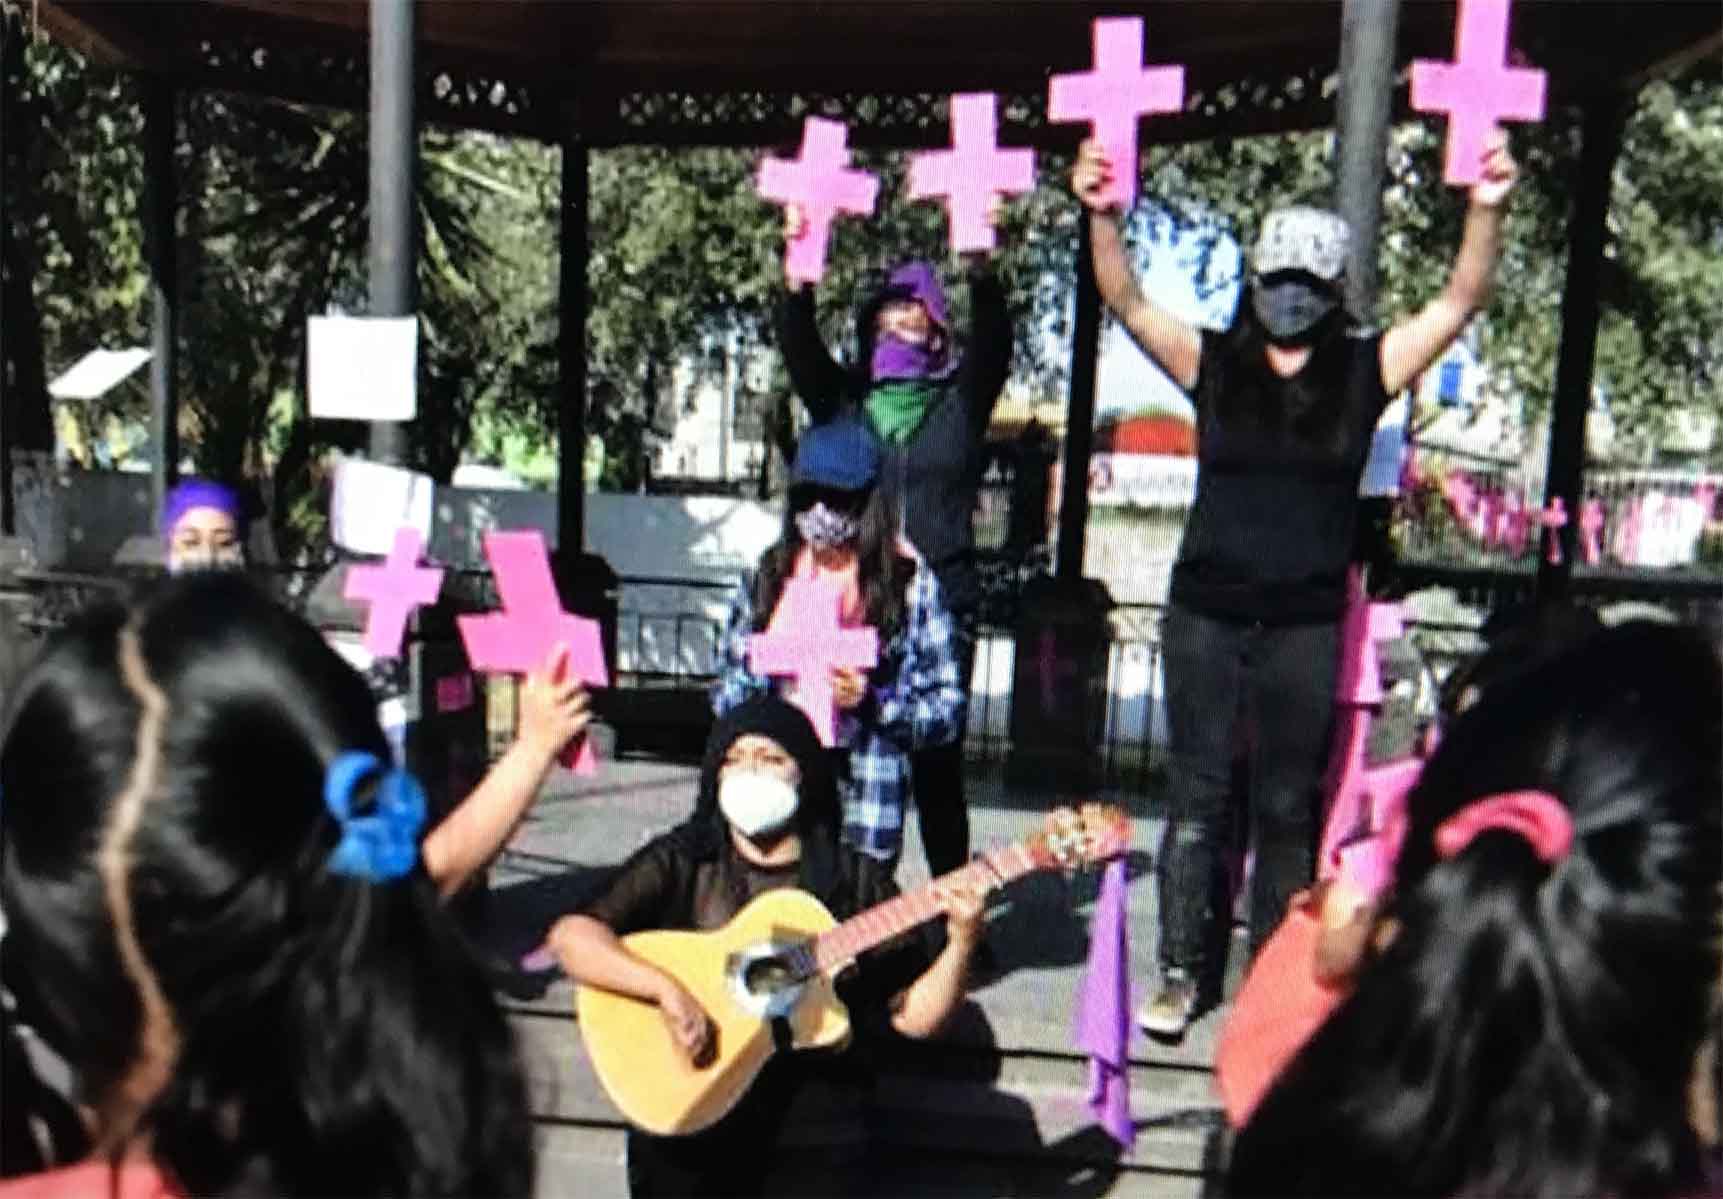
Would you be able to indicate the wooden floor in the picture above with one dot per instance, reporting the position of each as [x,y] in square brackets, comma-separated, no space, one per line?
[996,1107]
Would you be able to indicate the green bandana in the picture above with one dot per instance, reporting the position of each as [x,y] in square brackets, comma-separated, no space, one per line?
[897,407]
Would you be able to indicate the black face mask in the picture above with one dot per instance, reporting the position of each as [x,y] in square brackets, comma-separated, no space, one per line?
[1292,308]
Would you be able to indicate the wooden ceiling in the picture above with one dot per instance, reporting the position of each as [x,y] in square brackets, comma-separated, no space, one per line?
[567,48]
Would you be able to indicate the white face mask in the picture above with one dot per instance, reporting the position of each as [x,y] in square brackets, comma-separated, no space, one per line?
[755,802]
[203,558]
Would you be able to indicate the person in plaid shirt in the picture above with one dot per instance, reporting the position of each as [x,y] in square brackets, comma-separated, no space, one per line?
[838,525]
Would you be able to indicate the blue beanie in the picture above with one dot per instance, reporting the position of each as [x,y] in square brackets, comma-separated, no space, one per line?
[841,454]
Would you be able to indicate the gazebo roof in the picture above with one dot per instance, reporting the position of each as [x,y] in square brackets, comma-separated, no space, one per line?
[745,71]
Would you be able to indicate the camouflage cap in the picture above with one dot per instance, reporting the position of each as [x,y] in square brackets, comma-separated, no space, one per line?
[1302,238]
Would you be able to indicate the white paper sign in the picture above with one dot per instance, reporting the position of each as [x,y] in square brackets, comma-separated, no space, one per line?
[371,501]
[363,368]
[97,373]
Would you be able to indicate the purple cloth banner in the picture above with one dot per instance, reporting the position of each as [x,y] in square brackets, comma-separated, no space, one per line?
[1104,1010]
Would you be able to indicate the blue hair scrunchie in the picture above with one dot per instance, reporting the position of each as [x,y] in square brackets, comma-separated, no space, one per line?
[385,844]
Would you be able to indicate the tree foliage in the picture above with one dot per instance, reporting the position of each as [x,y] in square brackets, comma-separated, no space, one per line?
[684,256]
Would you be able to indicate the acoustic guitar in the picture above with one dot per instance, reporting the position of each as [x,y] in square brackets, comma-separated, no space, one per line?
[766,978]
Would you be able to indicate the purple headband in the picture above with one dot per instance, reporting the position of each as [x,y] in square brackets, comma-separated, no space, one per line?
[198,493]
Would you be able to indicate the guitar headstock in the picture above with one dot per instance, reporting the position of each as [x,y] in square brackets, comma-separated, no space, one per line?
[1081,836]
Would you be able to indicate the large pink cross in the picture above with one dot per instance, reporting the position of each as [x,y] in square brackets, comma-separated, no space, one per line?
[805,641]
[519,639]
[1114,95]
[822,184]
[972,172]
[1477,90]
[394,589]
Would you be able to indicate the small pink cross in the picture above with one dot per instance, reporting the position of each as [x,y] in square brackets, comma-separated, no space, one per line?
[1476,90]
[394,589]
[1488,517]
[1554,518]
[519,639]
[1115,94]
[821,182]
[1591,519]
[1513,524]
[805,641]
[972,172]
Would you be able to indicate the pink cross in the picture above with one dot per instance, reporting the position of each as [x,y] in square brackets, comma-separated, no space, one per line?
[1115,94]
[1513,524]
[393,590]
[1705,495]
[1367,625]
[972,172]
[821,182]
[520,638]
[1554,518]
[1591,532]
[1488,517]
[804,641]
[1476,90]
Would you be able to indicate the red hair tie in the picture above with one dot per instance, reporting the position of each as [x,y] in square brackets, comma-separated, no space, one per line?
[1538,816]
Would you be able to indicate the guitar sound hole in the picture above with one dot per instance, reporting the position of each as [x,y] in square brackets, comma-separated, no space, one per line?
[768,976]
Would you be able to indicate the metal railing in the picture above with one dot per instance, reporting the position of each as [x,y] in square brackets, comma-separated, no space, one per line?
[673,649]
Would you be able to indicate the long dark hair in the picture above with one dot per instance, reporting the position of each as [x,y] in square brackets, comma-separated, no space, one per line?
[884,573]
[1532,1028]
[263,1024]
[1306,406]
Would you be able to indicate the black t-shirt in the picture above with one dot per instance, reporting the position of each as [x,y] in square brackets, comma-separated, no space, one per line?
[1270,533]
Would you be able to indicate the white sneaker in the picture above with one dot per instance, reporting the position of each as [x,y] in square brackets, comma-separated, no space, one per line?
[1168,1012]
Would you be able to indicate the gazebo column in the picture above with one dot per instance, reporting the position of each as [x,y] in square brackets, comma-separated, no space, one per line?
[1080,414]
[8,394]
[394,159]
[1604,118]
[1063,633]
[571,345]
[161,205]
[1367,33]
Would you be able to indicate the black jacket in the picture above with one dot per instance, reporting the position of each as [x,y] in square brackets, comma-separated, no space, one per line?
[935,476]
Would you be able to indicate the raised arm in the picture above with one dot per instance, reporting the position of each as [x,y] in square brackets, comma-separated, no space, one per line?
[817,379]
[987,361]
[1411,345]
[1173,345]
[554,711]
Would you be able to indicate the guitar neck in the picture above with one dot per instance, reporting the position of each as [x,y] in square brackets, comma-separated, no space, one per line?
[862,932]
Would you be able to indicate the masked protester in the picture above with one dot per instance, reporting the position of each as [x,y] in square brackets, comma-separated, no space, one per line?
[930,407]
[1286,402]
[839,525]
[203,524]
[766,817]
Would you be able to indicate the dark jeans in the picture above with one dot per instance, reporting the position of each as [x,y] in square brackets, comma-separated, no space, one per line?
[1285,676]
[936,774]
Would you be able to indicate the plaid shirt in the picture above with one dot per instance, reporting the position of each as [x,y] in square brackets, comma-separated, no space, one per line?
[914,700]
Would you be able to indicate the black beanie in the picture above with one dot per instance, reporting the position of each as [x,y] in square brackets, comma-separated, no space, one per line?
[818,819]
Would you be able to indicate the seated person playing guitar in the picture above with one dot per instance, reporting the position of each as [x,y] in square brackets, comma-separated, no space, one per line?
[767,818]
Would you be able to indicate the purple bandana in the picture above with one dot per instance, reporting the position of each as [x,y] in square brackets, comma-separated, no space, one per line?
[894,358]
[198,493]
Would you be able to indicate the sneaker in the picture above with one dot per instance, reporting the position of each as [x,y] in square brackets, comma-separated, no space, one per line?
[1168,1013]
